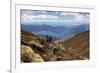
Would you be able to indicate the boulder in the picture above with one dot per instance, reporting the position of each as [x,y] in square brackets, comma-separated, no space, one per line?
[28,55]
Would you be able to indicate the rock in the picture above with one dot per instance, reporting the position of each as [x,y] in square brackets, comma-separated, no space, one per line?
[28,55]
[38,58]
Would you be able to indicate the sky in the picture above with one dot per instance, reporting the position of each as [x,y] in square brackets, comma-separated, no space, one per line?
[54,18]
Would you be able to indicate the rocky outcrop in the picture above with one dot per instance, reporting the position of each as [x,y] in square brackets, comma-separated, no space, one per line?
[28,55]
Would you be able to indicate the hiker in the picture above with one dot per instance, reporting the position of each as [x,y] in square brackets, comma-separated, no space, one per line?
[49,39]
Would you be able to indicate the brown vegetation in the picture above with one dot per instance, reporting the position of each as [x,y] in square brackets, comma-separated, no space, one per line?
[36,49]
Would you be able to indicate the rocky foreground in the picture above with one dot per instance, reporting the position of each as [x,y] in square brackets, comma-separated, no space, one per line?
[36,49]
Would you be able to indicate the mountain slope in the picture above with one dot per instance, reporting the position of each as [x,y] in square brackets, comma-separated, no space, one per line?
[78,45]
[35,48]
[36,43]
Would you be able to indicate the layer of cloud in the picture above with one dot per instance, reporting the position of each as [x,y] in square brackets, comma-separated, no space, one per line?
[46,16]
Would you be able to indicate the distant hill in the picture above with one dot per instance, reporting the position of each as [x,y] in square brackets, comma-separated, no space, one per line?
[55,31]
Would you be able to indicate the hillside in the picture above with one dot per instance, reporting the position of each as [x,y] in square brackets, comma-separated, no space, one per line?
[79,44]
[36,43]
[35,48]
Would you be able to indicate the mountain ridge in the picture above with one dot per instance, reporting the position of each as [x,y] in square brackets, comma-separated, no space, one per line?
[51,30]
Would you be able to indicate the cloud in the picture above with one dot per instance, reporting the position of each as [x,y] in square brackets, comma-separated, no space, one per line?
[43,16]
[62,17]
[67,13]
[26,17]
[76,17]
[79,18]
